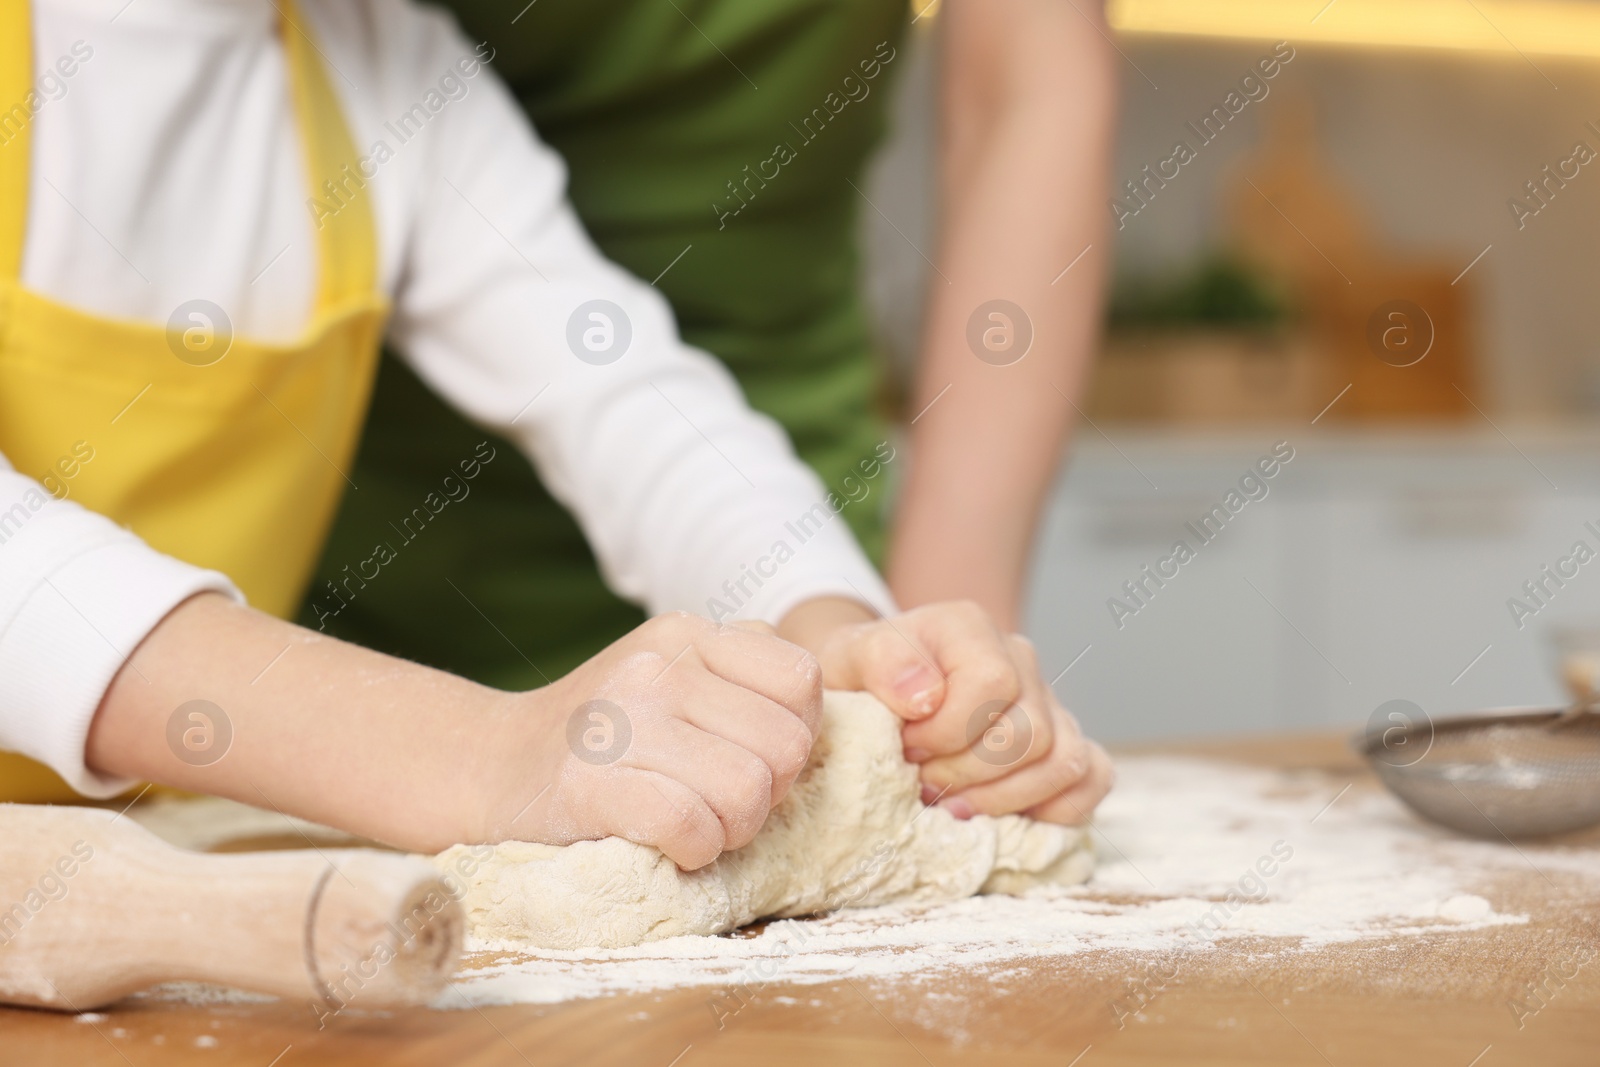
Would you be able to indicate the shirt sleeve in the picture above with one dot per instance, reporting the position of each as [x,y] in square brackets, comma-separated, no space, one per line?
[690,499]
[77,595]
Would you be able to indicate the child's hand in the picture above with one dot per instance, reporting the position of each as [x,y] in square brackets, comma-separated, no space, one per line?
[681,735]
[990,735]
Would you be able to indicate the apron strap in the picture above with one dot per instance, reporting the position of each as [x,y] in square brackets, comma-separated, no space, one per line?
[16,125]
[346,238]
[340,203]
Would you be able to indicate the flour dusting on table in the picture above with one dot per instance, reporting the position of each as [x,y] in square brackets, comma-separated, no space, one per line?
[1193,855]
[1175,838]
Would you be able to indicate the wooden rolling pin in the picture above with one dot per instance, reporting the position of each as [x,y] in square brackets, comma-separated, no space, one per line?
[94,907]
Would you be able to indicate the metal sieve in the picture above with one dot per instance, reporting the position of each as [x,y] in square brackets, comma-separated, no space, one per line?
[1500,773]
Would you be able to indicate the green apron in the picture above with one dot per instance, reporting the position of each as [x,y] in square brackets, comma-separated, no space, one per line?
[670,144]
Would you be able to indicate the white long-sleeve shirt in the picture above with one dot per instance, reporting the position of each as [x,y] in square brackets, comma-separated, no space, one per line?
[167,167]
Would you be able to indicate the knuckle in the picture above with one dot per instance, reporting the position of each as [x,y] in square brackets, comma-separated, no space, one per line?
[934,774]
[1102,767]
[1057,811]
[1039,723]
[746,807]
[742,829]
[1040,748]
[1071,764]
[1070,751]
[797,695]
[743,834]
[789,754]
[948,735]
[653,633]
[1024,650]
[879,638]
[998,681]
[688,828]
[949,773]
[968,608]
[808,675]
[622,679]
[1036,797]
[676,623]
[753,783]
[677,821]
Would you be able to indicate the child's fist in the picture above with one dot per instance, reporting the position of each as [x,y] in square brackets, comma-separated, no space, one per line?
[681,735]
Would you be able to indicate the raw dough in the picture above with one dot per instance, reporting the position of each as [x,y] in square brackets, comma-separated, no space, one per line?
[851,832]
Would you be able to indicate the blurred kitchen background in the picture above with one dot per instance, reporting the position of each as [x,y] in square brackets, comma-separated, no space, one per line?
[1252,305]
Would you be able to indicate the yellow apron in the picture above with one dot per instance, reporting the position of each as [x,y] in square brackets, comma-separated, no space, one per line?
[224,452]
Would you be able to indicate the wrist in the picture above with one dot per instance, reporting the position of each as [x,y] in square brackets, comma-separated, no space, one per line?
[516,763]
[996,594]
[933,560]
[811,624]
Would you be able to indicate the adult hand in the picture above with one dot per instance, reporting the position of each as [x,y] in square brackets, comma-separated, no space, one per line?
[990,736]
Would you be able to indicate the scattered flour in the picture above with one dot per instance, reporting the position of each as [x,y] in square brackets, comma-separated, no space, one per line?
[1174,839]
[1191,853]
[1465,908]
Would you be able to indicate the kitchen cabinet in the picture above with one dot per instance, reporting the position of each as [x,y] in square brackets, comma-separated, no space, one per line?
[1378,567]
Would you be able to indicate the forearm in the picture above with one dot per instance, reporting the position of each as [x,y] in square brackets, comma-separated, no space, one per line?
[1024,161]
[319,729]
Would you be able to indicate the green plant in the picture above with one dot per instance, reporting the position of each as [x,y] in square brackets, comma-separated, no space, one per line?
[1220,291]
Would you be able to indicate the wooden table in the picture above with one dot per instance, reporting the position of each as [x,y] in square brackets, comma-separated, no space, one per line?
[1417,1001]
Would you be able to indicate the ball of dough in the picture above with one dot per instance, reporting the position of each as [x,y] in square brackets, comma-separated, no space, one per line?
[852,832]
